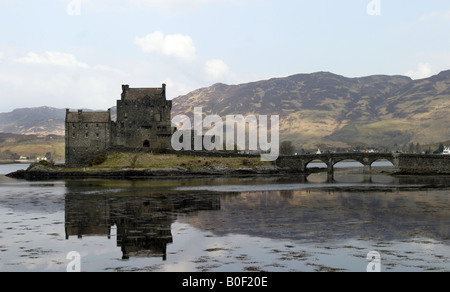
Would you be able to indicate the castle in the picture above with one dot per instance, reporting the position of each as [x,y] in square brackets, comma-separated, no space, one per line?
[143,122]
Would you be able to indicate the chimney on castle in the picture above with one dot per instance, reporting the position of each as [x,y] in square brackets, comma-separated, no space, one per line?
[125,87]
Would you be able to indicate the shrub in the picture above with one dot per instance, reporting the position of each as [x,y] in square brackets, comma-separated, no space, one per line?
[45,163]
[98,160]
[287,148]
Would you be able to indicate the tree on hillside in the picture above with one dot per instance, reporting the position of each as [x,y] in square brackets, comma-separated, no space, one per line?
[287,148]
[441,148]
[411,148]
[418,148]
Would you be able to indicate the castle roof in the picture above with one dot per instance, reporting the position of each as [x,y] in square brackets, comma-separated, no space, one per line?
[88,117]
[137,93]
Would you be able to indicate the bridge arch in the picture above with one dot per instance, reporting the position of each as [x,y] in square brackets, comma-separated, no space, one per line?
[341,160]
[344,163]
[307,162]
[391,161]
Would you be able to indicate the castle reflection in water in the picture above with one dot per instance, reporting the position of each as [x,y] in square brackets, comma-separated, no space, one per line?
[143,222]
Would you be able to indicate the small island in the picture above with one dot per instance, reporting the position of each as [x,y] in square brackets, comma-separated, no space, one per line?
[128,165]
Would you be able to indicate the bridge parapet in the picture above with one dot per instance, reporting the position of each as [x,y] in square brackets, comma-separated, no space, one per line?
[300,162]
[420,163]
[408,163]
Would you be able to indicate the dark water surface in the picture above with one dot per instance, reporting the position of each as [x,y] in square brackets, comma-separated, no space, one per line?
[226,224]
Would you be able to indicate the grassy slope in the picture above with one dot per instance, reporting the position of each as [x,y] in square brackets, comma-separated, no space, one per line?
[33,146]
[121,160]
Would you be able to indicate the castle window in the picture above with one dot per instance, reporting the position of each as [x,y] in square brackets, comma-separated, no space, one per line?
[87,135]
[97,125]
[73,126]
[73,135]
[98,135]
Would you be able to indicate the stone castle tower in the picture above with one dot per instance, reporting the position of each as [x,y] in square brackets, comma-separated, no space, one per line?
[143,122]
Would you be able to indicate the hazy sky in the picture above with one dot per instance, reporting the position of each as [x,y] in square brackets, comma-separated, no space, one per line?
[78,53]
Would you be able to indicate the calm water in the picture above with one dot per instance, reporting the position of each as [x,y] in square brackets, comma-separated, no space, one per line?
[226,224]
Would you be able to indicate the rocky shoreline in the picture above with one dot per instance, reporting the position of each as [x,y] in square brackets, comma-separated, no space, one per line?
[40,172]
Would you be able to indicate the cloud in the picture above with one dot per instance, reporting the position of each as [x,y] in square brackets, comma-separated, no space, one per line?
[423,71]
[175,45]
[216,69]
[52,58]
[58,80]
[436,15]
[109,69]
[169,8]
[176,88]
[61,59]
[56,86]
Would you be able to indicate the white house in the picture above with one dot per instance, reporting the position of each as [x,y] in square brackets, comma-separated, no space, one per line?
[446,151]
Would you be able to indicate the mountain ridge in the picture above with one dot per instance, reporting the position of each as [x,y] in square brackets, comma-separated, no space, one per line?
[324,107]
[314,108]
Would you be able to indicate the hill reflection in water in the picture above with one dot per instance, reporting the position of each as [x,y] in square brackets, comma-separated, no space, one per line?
[363,207]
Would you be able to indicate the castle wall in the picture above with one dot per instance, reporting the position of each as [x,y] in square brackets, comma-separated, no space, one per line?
[87,135]
[143,118]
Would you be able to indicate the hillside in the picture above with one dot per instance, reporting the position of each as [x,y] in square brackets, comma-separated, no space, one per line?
[12,146]
[41,121]
[325,108]
[34,121]
[314,109]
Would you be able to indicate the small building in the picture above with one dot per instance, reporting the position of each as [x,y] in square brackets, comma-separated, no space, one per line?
[446,151]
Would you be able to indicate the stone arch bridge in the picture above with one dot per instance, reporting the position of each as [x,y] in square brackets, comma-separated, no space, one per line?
[406,163]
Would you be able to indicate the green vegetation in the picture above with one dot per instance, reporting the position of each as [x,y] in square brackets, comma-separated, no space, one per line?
[101,158]
[287,148]
[137,160]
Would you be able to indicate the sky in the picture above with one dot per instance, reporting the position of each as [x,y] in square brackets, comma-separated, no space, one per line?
[78,53]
